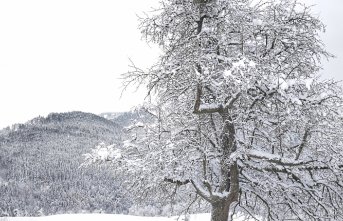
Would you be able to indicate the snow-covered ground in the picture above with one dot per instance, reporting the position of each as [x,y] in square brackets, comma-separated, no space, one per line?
[105,217]
[109,217]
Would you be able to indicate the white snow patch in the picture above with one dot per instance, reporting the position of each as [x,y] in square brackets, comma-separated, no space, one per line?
[257,22]
[227,73]
[112,217]
[308,83]
[104,217]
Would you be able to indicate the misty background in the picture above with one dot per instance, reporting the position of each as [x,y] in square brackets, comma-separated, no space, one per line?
[59,56]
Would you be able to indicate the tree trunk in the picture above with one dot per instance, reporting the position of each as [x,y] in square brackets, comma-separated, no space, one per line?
[221,207]
[220,211]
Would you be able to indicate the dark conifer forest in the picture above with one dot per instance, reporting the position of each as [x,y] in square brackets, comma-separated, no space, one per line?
[40,171]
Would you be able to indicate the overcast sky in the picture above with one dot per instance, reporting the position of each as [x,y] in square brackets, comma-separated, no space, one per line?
[66,55]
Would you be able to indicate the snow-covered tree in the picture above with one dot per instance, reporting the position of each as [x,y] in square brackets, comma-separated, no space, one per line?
[239,114]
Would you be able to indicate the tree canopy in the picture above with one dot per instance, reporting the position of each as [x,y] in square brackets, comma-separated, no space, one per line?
[239,112]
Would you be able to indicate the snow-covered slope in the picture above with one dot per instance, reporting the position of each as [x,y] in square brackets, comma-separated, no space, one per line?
[40,167]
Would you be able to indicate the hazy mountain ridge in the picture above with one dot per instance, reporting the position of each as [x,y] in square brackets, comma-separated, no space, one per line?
[40,166]
[112,115]
[124,119]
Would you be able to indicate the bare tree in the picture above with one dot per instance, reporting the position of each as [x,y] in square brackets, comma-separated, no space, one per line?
[239,113]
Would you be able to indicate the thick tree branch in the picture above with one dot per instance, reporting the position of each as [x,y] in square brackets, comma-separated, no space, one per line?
[205,108]
[234,98]
[303,143]
[177,182]
[201,191]
[273,158]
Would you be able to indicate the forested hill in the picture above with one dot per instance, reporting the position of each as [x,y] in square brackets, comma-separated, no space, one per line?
[40,166]
[71,123]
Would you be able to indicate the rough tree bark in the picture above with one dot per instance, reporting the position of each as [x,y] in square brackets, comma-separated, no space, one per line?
[229,170]
[230,183]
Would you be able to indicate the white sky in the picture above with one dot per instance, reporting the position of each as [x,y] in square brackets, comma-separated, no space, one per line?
[66,55]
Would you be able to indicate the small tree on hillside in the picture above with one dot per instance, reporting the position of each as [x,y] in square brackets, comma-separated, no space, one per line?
[240,115]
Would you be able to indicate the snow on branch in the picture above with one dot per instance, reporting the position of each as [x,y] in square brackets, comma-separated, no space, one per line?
[177,182]
[209,108]
[229,104]
[201,190]
[273,158]
[213,107]
[204,108]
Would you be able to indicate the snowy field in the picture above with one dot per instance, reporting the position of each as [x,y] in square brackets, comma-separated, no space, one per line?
[109,217]
[105,217]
